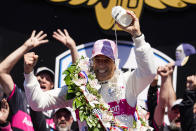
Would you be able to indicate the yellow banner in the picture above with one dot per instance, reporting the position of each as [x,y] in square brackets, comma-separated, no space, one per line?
[102,12]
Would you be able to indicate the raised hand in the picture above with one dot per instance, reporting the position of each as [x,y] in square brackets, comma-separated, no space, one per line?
[4,111]
[64,38]
[134,28]
[165,71]
[36,40]
[30,60]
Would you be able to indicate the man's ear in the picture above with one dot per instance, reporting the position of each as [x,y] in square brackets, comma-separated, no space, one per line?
[71,118]
[54,118]
[52,86]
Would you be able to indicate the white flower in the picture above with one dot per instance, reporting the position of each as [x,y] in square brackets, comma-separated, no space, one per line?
[93,103]
[84,64]
[94,84]
[79,82]
[106,117]
[91,97]
[104,104]
[138,124]
[83,88]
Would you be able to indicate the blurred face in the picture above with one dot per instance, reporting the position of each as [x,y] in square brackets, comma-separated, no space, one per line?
[191,82]
[174,118]
[63,121]
[194,108]
[103,67]
[45,81]
[180,53]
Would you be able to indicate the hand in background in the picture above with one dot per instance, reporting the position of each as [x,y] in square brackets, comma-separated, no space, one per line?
[165,71]
[30,60]
[64,38]
[191,82]
[36,40]
[4,111]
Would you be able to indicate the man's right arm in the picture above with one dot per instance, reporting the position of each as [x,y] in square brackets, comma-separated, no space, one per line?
[165,99]
[9,62]
[37,99]
[65,39]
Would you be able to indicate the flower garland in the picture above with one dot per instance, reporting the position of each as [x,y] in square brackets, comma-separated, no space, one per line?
[83,89]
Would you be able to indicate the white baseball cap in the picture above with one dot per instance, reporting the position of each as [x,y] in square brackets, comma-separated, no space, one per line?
[69,109]
[177,103]
[45,69]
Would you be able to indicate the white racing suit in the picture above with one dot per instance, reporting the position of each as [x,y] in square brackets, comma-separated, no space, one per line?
[120,92]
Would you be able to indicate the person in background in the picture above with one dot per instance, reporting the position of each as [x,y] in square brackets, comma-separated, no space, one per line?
[45,77]
[20,117]
[152,97]
[183,51]
[64,120]
[167,98]
[4,112]
[187,106]
[42,120]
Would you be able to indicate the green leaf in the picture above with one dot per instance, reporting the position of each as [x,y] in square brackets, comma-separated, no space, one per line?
[99,125]
[91,119]
[81,115]
[71,91]
[71,88]
[90,76]
[78,93]
[88,123]
[74,104]
[72,68]
[95,129]
[78,103]
[68,80]
[70,96]
[66,72]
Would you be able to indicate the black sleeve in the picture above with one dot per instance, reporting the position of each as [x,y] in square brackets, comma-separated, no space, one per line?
[17,101]
[39,120]
[187,117]
[74,126]
[152,102]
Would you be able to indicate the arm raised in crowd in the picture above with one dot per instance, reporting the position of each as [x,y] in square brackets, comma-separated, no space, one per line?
[167,95]
[37,99]
[187,108]
[9,62]
[63,37]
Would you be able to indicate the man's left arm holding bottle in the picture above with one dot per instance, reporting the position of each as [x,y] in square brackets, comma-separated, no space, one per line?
[145,72]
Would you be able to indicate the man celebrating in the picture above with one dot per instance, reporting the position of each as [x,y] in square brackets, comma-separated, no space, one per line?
[119,90]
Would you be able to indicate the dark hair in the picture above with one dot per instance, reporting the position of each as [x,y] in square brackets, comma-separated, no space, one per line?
[47,72]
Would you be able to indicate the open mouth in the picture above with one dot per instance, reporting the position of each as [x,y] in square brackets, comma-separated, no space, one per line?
[43,87]
[177,120]
[101,71]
